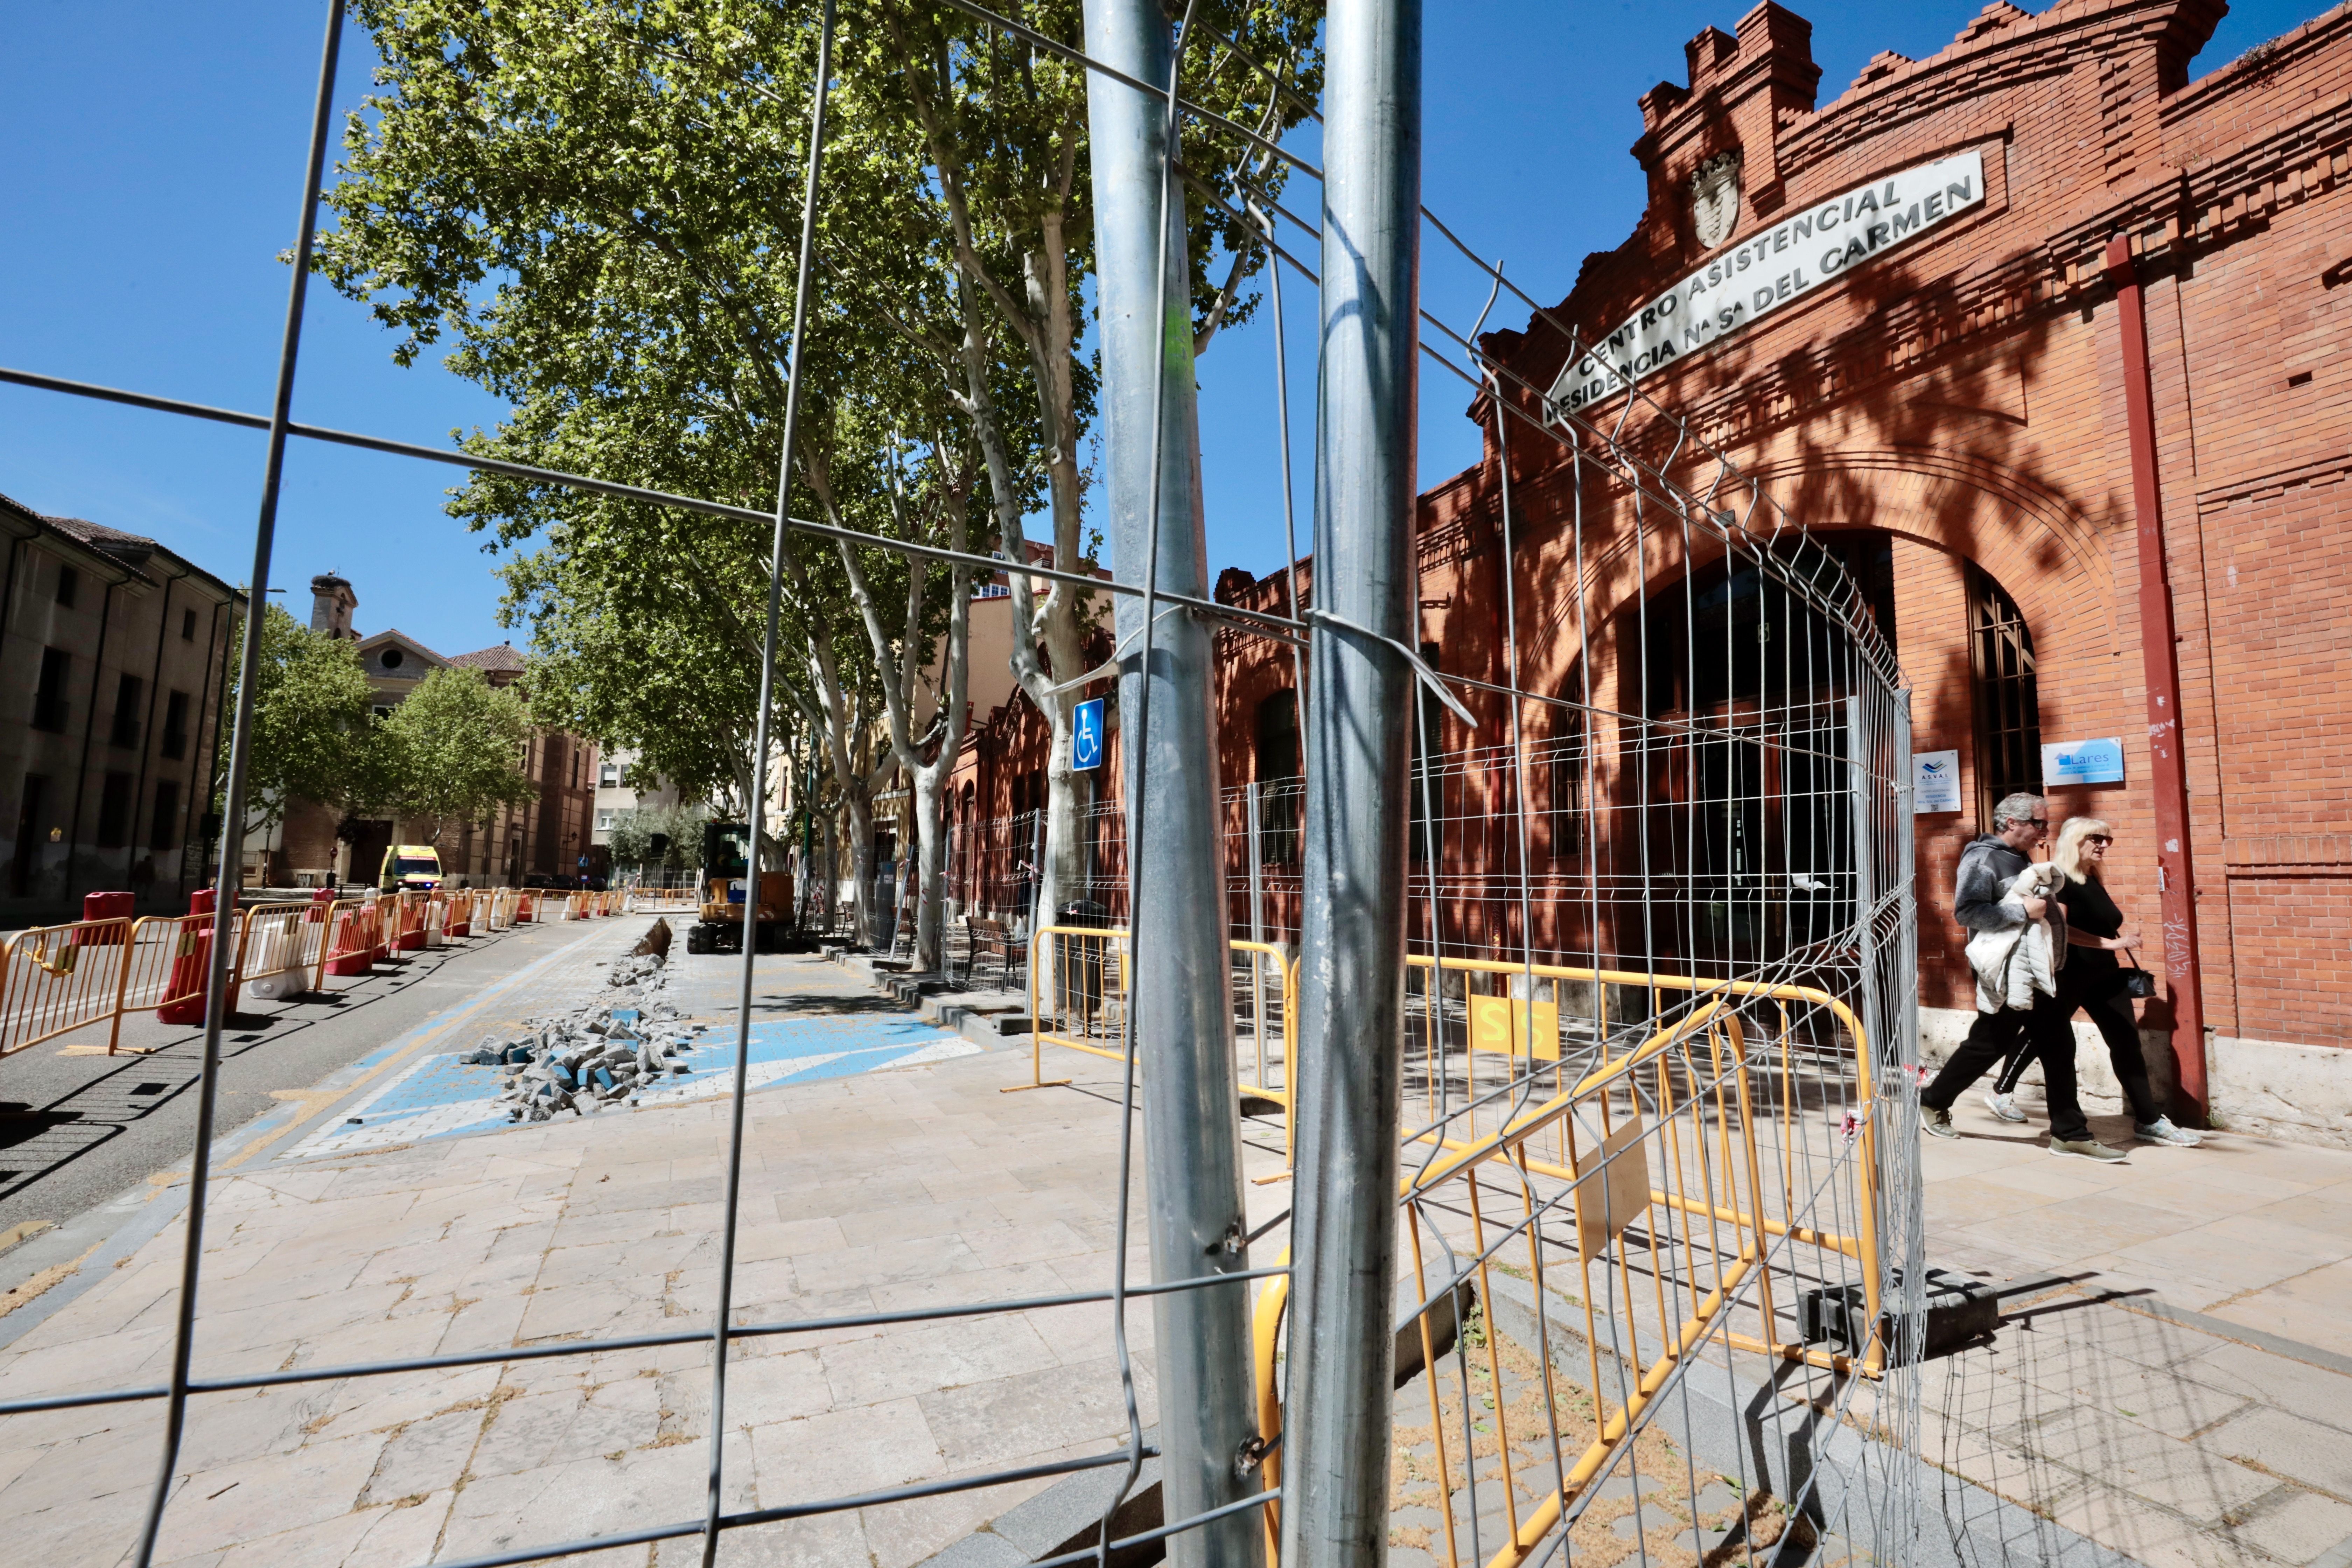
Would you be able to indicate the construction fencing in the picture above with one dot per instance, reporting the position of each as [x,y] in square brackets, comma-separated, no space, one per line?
[1658,1235]
[91,975]
[1696,1171]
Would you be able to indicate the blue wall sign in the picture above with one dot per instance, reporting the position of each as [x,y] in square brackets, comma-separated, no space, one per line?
[1087,736]
[2083,761]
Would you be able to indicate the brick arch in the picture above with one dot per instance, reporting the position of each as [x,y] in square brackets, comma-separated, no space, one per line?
[2051,559]
[2039,546]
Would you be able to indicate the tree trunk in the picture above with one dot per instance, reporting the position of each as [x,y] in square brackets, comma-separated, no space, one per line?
[828,870]
[860,812]
[931,863]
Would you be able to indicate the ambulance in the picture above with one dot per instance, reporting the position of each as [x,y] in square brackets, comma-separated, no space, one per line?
[410,869]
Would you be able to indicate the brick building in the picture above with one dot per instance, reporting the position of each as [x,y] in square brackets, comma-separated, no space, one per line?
[546,837]
[112,655]
[1908,309]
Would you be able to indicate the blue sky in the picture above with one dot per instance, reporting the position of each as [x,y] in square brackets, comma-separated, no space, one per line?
[151,159]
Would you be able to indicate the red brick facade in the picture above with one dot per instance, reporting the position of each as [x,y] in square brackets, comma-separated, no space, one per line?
[1958,403]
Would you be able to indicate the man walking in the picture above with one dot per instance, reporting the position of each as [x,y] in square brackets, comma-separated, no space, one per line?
[1982,902]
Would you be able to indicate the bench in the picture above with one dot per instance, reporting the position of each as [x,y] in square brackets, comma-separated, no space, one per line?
[996,940]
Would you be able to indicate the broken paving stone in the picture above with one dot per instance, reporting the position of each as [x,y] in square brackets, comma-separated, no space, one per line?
[599,1053]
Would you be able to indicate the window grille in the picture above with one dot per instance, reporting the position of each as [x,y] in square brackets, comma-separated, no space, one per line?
[114,812]
[2007,698]
[175,726]
[164,831]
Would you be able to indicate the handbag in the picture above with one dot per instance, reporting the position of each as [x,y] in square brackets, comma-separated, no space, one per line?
[2139,984]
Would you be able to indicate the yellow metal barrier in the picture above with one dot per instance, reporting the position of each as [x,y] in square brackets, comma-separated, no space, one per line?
[1087,1009]
[1522,1055]
[1672,1124]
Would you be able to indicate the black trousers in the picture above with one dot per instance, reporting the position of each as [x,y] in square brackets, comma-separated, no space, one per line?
[2018,1036]
[2050,1035]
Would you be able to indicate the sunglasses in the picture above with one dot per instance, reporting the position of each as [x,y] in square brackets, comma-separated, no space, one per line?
[2097,838]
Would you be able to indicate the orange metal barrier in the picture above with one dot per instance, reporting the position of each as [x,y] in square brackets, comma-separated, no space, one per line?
[280,947]
[357,939]
[56,979]
[167,963]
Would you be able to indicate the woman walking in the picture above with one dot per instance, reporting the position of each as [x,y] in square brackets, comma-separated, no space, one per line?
[2093,981]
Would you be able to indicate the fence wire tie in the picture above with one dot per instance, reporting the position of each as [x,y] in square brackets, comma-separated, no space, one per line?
[1428,677]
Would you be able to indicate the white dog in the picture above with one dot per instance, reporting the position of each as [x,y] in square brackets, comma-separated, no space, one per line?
[2012,965]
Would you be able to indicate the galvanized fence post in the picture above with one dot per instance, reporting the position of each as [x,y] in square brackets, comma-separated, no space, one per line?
[1181,1002]
[1256,865]
[1352,973]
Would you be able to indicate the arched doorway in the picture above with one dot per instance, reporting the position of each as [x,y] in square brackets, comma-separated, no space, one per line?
[1744,791]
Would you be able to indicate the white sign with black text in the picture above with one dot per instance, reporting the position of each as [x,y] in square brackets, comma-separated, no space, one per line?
[1935,782]
[1810,247]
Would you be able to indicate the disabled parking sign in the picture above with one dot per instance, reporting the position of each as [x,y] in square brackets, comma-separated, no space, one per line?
[1086,737]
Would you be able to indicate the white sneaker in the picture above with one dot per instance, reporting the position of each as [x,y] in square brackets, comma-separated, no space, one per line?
[2162,1131]
[2003,1106]
[2087,1149]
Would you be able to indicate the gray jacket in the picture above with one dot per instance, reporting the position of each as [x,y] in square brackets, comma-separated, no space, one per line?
[1980,895]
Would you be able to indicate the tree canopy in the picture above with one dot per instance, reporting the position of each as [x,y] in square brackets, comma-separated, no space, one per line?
[453,750]
[596,205]
[312,735]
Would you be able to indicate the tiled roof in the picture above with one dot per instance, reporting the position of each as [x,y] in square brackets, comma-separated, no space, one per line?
[128,550]
[405,640]
[131,551]
[501,657]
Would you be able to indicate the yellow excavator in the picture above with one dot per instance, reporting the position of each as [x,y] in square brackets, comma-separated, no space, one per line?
[723,881]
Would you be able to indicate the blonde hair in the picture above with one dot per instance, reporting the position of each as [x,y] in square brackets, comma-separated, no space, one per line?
[2067,855]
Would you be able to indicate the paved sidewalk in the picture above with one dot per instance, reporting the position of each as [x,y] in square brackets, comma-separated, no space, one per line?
[2180,1389]
[2173,1378]
[887,1191]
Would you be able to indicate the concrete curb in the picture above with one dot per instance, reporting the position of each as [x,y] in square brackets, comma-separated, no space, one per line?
[991,1020]
[1751,1430]
[1067,1517]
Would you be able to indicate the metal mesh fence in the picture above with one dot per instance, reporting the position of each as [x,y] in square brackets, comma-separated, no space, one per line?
[1660,1187]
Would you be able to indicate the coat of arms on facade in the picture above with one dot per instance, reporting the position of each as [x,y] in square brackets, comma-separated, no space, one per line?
[1714,199]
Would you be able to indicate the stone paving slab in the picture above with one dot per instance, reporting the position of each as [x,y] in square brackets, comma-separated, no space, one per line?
[2180,1388]
[890,1190]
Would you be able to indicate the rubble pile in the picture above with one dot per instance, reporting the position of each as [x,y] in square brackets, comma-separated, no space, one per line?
[603,1052]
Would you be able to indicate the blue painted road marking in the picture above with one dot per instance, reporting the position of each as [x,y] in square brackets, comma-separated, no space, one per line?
[442,1096]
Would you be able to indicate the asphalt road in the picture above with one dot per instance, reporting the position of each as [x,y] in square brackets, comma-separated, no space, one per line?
[77,1128]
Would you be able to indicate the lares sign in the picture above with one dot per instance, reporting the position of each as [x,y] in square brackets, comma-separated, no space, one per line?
[1765,272]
